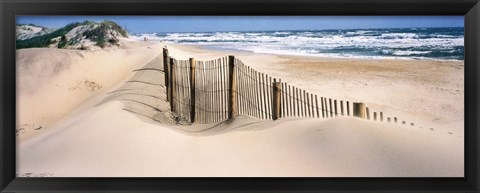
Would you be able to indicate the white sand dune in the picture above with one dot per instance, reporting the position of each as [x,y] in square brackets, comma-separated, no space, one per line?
[53,82]
[113,131]
[107,141]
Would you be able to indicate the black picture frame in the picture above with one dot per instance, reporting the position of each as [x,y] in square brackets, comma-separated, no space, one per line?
[10,8]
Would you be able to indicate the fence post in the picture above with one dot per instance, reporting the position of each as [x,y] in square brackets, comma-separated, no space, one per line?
[232,108]
[166,72]
[368,113]
[348,108]
[335,107]
[276,99]
[192,90]
[341,107]
[323,108]
[172,84]
[331,107]
[359,110]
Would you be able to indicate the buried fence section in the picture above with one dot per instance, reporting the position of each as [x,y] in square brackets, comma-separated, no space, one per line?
[217,90]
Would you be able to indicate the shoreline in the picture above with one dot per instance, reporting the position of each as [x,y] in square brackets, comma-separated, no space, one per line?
[206,48]
[326,56]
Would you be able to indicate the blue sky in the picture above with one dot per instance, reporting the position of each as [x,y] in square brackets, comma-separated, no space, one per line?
[145,24]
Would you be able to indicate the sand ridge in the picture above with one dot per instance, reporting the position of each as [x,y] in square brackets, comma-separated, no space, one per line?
[53,82]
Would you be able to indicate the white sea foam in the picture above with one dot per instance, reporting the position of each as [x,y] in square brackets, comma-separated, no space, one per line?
[408,53]
[282,33]
[350,43]
[360,32]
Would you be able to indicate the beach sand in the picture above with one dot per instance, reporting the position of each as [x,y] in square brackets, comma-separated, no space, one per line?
[74,118]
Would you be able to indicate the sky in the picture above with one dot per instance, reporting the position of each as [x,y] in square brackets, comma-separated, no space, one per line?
[150,24]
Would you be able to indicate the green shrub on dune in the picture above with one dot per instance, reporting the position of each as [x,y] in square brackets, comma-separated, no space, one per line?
[45,40]
[101,33]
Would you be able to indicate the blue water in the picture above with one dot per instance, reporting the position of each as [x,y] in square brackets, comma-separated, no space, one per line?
[399,43]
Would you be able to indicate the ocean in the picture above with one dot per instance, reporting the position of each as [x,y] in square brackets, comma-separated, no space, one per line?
[395,43]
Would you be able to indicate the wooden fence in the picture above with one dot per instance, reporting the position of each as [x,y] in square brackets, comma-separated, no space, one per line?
[217,90]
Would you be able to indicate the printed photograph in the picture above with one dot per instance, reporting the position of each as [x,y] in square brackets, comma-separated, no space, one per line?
[240,96]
